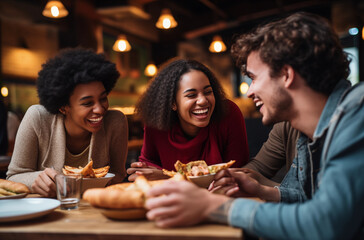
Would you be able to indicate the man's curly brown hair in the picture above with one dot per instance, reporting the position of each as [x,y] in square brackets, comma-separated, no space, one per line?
[304,41]
[155,105]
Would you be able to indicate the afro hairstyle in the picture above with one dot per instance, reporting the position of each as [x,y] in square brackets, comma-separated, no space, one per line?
[60,75]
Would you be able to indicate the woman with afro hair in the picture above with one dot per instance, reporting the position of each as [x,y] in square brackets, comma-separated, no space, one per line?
[72,124]
[188,118]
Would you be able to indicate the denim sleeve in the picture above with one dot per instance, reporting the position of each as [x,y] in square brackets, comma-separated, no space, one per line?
[336,210]
[290,189]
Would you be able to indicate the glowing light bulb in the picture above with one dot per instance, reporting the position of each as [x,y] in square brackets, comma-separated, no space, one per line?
[166,23]
[122,46]
[4,91]
[217,46]
[244,87]
[54,11]
[150,70]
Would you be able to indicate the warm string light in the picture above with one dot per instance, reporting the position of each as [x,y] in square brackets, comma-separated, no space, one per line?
[217,45]
[121,44]
[150,70]
[166,20]
[54,9]
[244,87]
[4,91]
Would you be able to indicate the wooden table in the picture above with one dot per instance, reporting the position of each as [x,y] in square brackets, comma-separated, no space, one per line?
[88,223]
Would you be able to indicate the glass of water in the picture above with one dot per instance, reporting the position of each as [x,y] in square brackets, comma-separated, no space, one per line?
[69,190]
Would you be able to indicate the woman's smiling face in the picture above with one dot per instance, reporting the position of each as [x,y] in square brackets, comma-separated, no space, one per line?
[195,102]
[87,107]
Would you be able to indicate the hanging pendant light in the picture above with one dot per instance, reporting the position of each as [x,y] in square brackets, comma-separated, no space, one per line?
[54,9]
[217,45]
[166,20]
[121,44]
[150,70]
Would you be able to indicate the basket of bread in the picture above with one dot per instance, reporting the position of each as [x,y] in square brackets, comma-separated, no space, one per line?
[124,200]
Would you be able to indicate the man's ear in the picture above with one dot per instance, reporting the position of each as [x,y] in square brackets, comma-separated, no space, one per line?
[289,74]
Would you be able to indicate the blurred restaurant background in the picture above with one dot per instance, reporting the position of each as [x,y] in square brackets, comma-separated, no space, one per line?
[151,32]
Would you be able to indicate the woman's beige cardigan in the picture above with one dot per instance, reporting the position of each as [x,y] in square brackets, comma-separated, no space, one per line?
[41,142]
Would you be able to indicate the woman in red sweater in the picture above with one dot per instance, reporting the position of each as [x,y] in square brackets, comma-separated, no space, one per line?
[188,118]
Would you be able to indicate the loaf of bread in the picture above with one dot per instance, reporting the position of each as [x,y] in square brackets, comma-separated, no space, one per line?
[9,188]
[114,198]
[123,195]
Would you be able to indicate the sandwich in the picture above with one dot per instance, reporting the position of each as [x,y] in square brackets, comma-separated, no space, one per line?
[10,188]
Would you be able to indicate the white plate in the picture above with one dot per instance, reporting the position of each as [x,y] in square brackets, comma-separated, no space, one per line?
[26,208]
[96,182]
[20,195]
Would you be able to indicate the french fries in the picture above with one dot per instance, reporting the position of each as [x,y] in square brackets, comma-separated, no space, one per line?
[87,171]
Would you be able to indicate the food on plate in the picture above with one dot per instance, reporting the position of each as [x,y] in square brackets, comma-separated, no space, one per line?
[123,195]
[87,171]
[10,188]
[197,168]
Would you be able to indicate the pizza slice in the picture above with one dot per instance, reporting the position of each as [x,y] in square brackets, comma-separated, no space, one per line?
[217,167]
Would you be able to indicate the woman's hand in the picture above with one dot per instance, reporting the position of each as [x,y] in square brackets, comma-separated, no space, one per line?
[141,168]
[45,184]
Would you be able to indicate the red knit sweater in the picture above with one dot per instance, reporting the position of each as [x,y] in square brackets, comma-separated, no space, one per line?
[218,142]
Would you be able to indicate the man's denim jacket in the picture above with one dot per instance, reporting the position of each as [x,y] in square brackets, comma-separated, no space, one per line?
[322,196]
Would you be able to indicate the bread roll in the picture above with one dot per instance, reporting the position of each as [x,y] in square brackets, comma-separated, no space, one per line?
[14,187]
[114,198]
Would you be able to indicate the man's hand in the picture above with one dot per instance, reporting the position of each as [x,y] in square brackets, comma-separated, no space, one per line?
[238,184]
[181,203]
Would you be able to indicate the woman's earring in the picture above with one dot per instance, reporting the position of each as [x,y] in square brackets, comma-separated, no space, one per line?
[174,107]
[61,110]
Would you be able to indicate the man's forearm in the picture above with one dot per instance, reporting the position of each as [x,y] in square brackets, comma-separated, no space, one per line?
[221,214]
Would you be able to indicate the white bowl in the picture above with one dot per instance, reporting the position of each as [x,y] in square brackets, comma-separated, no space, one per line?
[203,180]
[96,182]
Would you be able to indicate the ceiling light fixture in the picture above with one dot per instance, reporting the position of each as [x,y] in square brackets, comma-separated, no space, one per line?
[121,44]
[217,45]
[166,20]
[54,9]
[150,70]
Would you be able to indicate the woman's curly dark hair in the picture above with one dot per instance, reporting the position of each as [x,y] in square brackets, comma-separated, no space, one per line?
[304,41]
[155,106]
[60,75]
